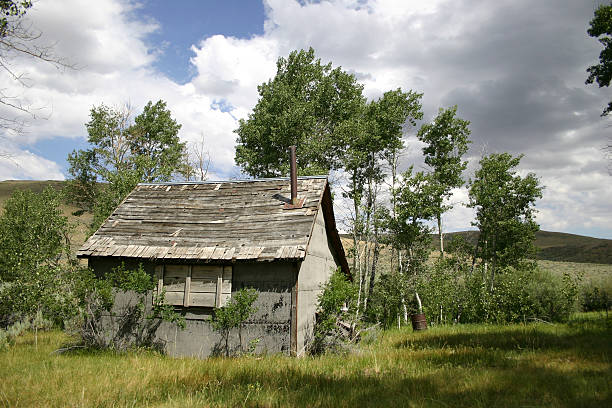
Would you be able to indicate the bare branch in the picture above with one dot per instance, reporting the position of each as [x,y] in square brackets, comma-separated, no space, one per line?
[19,39]
[202,157]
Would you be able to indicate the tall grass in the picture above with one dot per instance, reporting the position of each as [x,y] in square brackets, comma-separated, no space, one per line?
[466,365]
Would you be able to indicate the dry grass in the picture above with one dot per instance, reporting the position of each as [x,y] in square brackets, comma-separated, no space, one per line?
[589,272]
[470,365]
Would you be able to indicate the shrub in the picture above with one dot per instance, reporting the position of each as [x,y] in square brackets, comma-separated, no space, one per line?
[594,298]
[387,301]
[519,294]
[328,334]
[442,292]
[137,325]
[234,314]
[553,298]
[34,264]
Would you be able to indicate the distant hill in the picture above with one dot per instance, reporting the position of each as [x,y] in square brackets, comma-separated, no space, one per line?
[7,187]
[554,246]
[560,246]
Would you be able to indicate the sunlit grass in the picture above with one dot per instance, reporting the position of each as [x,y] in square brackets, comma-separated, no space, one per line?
[466,365]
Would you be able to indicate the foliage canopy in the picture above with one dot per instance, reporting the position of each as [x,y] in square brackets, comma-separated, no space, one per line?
[504,203]
[122,154]
[306,104]
[601,28]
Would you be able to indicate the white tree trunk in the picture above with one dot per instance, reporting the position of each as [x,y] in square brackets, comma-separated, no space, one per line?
[418,298]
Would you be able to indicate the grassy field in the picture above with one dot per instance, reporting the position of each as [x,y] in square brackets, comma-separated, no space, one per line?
[560,365]
[589,273]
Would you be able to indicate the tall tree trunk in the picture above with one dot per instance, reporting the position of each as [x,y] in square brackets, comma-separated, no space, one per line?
[367,229]
[418,299]
[393,162]
[357,239]
[376,249]
[374,263]
[441,235]
[493,265]
[401,270]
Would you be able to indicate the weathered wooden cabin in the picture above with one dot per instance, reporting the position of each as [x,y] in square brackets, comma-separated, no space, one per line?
[205,240]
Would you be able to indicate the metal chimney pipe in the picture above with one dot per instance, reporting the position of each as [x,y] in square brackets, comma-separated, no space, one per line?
[293,176]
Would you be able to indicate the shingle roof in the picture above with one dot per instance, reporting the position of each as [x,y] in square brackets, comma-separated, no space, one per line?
[214,221]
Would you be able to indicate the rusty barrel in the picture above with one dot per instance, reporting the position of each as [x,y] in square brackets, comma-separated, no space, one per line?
[419,322]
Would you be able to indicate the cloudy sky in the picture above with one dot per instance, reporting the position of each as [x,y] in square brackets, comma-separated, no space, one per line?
[515,68]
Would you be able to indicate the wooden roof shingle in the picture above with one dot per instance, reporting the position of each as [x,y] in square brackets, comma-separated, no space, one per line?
[214,221]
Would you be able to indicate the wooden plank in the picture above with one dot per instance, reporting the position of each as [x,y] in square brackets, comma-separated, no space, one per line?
[187,288]
[227,279]
[87,244]
[117,249]
[222,253]
[292,252]
[206,271]
[169,253]
[218,253]
[129,250]
[139,250]
[182,251]
[208,299]
[219,289]
[207,252]
[286,252]
[211,214]
[204,285]
[176,271]
[149,251]
[206,276]
[227,272]
[174,298]
[211,221]
[203,299]
[192,252]
[257,252]
[238,242]
[248,235]
[174,284]
[162,252]
[229,254]
[241,205]
[244,252]
[159,274]
[279,253]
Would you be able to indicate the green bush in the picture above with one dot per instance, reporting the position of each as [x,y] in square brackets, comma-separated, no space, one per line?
[442,292]
[139,323]
[595,298]
[234,314]
[518,295]
[386,303]
[337,293]
[553,298]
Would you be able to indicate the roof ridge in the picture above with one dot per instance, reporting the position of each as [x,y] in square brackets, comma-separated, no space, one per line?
[169,183]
